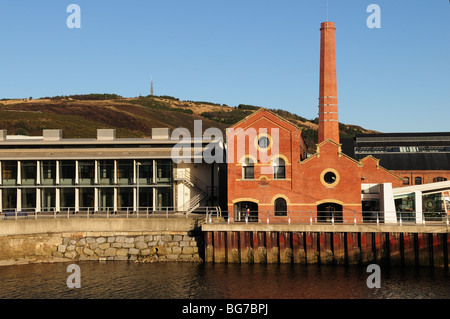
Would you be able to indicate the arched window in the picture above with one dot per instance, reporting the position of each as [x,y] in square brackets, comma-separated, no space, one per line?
[439,179]
[248,169]
[405,180]
[279,168]
[280,207]
[418,180]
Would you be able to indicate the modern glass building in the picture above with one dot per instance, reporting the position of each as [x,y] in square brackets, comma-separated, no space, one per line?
[52,174]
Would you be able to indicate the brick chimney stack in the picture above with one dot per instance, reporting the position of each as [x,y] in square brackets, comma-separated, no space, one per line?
[328,104]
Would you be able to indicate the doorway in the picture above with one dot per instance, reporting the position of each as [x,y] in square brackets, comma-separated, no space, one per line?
[246,211]
[329,212]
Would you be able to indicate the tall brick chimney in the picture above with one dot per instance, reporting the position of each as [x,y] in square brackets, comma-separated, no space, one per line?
[328,105]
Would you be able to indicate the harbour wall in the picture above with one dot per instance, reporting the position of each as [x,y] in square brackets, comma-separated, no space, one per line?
[327,244]
[140,240]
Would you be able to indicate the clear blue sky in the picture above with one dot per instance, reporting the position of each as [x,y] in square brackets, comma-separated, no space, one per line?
[259,52]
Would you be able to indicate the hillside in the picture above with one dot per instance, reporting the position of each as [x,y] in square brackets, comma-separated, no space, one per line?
[81,115]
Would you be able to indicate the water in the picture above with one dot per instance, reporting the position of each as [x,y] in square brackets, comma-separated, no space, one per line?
[128,280]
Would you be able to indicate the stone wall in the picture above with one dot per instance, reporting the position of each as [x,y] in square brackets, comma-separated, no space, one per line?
[141,247]
[140,240]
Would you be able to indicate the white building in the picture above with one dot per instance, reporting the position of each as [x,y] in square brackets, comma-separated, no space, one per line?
[50,173]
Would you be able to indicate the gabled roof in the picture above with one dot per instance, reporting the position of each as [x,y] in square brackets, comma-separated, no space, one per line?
[286,124]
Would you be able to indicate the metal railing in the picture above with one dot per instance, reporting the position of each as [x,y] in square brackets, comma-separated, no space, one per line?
[335,218]
[90,212]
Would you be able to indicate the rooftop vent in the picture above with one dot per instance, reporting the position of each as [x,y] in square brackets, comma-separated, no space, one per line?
[106,134]
[52,135]
[160,133]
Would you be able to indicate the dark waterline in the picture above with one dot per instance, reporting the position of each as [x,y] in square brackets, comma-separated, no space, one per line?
[128,280]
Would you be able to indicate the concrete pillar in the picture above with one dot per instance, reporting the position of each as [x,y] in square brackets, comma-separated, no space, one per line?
[312,249]
[77,174]
[245,247]
[58,199]
[115,199]
[380,248]
[77,199]
[19,199]
[326,252]
[338,248]
[285,246]
[367,253]
[219,247]
[423,248]
[418,204]
[259,248]
[409,256]
[353,249]
[19,173]
[38,172]
[387,204]
[273,250]
[298,248]
[232,247]
[209,247]
[438,249]
[57,172]
[395,257]
[95,199]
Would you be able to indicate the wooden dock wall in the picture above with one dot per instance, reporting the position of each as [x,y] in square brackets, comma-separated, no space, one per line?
[311,247]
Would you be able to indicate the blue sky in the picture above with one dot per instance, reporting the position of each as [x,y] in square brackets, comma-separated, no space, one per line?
[258,52]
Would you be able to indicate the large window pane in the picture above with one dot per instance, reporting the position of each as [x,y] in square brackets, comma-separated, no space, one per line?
[67,196]
[106,199]
[28,198]
[67,172]
[9,199]
[145,198]
[145,169]
[163,171]
[9,173]
[125,199]
[164,198]
[86,172]
[106,172]
[48,196]
[48,172]
[29,172]
[125,172]
[87,198]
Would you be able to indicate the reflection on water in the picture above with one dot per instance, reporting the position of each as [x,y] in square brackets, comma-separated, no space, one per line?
[129,280]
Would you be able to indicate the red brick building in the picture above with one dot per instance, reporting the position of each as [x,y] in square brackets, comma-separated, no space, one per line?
[270,175]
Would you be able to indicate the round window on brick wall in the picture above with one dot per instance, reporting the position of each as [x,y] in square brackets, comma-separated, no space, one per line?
[329,177]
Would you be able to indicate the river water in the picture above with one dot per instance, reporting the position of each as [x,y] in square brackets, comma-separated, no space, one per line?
[129,280]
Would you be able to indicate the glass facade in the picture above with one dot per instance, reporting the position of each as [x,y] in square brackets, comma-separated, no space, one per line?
[102,185]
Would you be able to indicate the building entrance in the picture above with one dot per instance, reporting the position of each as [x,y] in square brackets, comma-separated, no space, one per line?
[329,212]
[246,211]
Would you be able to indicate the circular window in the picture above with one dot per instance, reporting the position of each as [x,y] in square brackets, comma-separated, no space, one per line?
[329,177]
[263,142]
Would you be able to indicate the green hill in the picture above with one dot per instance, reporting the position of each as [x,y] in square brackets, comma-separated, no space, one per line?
[79,116]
